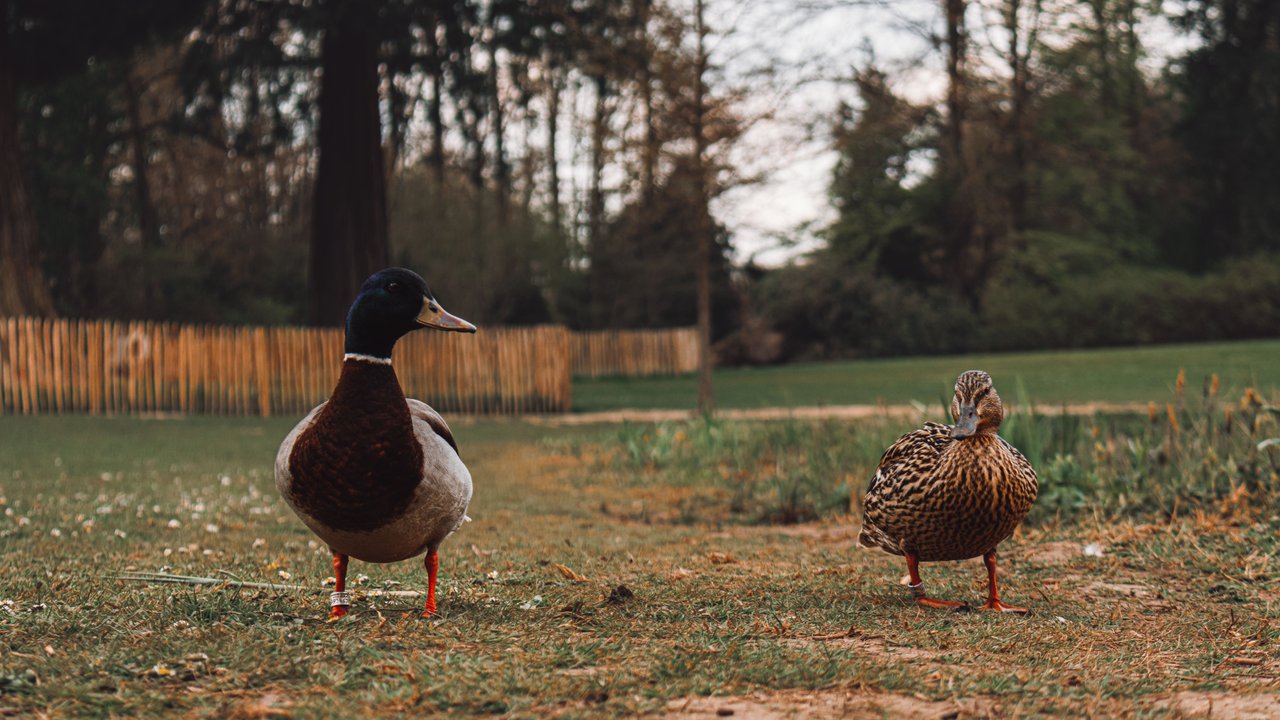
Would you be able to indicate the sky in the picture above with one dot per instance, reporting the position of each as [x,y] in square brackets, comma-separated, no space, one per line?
[779,218]
[821,42]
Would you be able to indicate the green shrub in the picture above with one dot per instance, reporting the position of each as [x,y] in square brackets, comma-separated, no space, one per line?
[1057,294]
[1191,455]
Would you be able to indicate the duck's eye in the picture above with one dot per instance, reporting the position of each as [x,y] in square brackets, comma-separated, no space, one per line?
[393,287]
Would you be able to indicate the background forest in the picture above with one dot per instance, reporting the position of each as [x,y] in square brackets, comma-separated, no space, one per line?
[244,161]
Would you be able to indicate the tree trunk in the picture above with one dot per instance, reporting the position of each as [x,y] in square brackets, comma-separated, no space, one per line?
[23,290]
[649,155]
[553,162]
[595,201]
[957,50]
[706,394]
[964,245]
[1018,90]
[148,218]
[602,295]
[1103,40]
[349,214]
[1133,75]
[436,113]
[501,170]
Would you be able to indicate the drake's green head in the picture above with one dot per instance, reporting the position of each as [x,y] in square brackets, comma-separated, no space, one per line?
[391,304]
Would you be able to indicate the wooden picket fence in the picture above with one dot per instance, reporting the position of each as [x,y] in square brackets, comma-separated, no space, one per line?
[635,352]
[106,367]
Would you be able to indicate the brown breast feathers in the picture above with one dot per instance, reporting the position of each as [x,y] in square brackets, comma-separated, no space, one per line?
[358,465]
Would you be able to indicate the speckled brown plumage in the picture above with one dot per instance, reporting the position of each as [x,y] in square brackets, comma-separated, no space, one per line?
[358,465]
[950,492]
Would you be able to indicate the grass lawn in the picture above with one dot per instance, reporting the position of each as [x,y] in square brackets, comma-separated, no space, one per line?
[1114,375]
[1157,620]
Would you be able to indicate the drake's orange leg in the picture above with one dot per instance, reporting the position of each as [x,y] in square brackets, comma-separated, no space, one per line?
[917,588]
[339,599]
[432,563]
[993,595]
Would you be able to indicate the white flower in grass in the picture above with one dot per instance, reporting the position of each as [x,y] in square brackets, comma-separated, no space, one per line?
[285,575]
[55,532]
[211,528]
[174,524]
[259,542]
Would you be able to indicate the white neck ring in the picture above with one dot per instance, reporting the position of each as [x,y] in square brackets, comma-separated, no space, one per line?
[366,358]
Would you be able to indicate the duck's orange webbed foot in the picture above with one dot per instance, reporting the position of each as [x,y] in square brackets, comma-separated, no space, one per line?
[916,586]
[995,604]
[937,604]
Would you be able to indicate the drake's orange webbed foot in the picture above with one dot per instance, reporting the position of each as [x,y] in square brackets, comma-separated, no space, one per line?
[937,604]
[995,604]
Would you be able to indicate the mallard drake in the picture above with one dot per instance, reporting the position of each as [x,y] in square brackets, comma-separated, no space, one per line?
[951,492]
[376,475]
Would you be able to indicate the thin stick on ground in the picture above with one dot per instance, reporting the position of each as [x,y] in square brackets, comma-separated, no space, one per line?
[148,577]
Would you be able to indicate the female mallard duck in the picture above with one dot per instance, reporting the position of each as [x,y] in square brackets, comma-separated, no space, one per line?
[375,475]
[951,492]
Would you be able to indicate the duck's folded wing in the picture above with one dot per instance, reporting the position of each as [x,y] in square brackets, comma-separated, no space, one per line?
[422,411]
[916,451]
[284,474]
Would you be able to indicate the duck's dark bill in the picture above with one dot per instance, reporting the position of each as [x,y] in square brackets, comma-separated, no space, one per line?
[434,316]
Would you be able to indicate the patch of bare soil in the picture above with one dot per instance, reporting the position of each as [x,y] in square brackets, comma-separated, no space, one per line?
[828,704]
[1224,705]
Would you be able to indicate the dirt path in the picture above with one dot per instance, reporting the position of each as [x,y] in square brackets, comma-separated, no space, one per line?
[812,412]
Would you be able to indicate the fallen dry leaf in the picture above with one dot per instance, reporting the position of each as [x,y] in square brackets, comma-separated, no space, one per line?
[568,573]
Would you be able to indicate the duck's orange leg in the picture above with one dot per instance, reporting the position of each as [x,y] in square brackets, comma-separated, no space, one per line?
[339,599]
[432,563]
[917,588]
[993,594]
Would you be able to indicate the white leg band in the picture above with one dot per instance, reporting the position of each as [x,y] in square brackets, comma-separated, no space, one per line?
[340,599]
[917,590]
